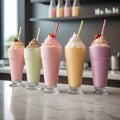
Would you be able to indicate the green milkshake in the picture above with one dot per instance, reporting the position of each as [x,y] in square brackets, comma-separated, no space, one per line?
[33,63]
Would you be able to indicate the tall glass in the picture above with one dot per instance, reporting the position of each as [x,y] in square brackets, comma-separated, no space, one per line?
[51,54]
[100,57]
[16,61]
[75,63]
[33,66]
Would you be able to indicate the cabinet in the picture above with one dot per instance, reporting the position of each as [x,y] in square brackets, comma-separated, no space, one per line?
[89,10]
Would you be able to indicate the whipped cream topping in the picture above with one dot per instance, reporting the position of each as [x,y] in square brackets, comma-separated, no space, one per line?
[75,41]
[100,41]
[17,44]
[51,41]
[33,44]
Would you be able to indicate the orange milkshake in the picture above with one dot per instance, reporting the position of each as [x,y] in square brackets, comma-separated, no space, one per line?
[75,51]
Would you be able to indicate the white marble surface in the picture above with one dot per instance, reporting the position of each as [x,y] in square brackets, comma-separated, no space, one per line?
[22,104]
[62,72]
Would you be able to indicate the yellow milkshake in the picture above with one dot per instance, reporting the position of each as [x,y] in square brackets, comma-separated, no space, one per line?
[75,51]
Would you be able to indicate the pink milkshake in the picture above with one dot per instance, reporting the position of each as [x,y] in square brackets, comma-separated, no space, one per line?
[67,9]
[52,9]
[100,52]
[52,13]
[51,54]
[67,12]
[16,61]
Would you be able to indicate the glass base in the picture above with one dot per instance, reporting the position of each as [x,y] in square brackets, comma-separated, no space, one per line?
[31,86]
[51,89]
[16,84]
[101,91]
[73,90]
[23,84]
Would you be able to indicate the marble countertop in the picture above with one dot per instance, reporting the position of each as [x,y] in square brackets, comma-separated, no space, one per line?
[113,75]
[22,104]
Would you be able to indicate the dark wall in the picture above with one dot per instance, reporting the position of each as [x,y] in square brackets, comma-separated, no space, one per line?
[66,29]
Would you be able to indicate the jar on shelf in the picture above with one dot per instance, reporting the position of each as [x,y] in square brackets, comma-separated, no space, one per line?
[60,9]
[52,9]
[67,8]
[76,8]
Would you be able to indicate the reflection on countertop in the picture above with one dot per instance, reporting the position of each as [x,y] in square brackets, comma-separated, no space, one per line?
[21,104]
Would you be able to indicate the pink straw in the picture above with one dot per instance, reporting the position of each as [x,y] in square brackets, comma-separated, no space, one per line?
[56,29]
[103,28]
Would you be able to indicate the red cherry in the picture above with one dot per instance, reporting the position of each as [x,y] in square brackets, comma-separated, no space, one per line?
[16,40]
[97,36]
[52,35]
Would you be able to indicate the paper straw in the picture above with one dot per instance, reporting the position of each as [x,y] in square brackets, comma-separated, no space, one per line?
[19,34]
[80,28]
[38,33]
[56,29]
[103,28]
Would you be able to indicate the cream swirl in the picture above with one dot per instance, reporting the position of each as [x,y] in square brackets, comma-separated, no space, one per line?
[100,41]
[17,44]
[33,44]
[51,41]
[75,41]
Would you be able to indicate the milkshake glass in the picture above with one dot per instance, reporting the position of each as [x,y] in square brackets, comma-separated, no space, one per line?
[75,52]
[16,61]
[33,64]
[100,52]
[51,54]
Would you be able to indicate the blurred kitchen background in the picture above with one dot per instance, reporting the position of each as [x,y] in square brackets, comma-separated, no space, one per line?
[31,14]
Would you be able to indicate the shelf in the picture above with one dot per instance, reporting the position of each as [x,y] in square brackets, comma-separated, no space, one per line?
[81,1]
[55,19]
[75,18]
[40,1]
[112,11]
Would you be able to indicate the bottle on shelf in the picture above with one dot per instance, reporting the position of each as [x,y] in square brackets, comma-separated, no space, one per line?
[60,9]
[76,8]
[67,9]
[52,9]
